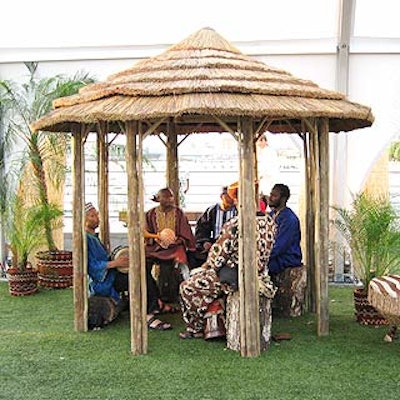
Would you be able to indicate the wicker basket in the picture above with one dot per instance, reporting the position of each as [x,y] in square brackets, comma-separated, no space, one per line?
[55,269]
[22,283]
[365,313]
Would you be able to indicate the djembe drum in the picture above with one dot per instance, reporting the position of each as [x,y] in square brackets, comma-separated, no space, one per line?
[118,252]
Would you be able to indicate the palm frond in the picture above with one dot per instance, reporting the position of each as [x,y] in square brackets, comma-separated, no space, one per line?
[371,229]
[23,104]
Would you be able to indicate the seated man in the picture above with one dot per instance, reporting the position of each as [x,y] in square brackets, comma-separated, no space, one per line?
[202,288]
[104,277]
[285,262]
[170,251]
[286,252]
[209,225]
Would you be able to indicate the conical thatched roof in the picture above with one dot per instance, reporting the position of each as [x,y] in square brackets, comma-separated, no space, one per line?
[201,77]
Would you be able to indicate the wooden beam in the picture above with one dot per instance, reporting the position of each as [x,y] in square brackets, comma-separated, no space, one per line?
[248,274]
[172,162]
[261,128]
[103,179]
[79,255]
[308,258]
[224,125]
[314,204]
[137,262]
[323,260]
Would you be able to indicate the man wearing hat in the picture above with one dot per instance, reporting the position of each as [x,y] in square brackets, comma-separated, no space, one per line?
[104,277]
[209,224]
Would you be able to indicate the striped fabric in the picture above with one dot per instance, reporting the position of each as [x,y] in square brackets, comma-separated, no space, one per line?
[384,295]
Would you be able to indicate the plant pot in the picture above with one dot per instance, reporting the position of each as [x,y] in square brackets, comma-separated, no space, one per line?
[55,268]
[365,313]
[22,283]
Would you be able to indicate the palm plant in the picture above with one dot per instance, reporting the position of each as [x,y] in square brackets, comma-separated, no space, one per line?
[371,229]
[23,104]
[25,229]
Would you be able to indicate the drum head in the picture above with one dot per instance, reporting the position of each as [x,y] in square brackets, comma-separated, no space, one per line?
[118,252]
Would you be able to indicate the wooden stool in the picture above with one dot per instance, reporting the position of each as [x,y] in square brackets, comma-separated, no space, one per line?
[233,321]
[101,311]
[384,295]
[289,300]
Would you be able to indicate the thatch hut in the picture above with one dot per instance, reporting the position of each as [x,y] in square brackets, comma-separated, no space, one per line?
[205,84]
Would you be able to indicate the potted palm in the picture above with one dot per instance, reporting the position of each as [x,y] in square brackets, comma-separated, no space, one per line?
[43,157]
[24,234]
[371,230]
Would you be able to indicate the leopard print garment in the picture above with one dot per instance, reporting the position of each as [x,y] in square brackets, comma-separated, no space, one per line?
[197,292]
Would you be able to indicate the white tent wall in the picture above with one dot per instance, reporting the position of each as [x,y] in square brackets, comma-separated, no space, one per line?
[374,79]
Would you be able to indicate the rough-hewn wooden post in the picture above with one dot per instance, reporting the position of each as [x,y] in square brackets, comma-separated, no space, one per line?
[172,162]
[103,179]
[323,260]
[78,233]
[135,219]
[248,283]
[310,217]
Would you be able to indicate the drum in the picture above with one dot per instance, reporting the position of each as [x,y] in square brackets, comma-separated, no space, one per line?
[118,252]
[167,237]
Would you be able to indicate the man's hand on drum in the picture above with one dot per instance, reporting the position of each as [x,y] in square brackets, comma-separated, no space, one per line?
[120,262]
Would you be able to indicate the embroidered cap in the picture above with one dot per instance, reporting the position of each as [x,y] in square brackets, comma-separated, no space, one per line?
[88,207]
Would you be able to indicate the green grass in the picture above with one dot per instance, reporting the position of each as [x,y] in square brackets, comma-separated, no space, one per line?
[41,357]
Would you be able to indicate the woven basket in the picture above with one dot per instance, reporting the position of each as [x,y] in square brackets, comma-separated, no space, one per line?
[365,313]
[22,283]
[55,269]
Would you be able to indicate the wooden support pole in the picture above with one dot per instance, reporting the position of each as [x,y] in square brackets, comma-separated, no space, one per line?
[310,218]
[315,181]
[102,175]
[323,260]
[78,233]
[137,262]
[248,281]
[172,162]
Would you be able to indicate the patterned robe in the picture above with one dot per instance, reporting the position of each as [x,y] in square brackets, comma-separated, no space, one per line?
[204,287]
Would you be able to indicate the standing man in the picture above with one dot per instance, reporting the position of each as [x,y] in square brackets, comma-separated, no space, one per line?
[286,252]
[267,166]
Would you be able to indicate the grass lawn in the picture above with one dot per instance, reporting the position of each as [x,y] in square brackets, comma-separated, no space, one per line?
[41,357]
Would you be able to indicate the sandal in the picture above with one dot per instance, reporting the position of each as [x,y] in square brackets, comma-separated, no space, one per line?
[157,325]
[281,336]
[190,335]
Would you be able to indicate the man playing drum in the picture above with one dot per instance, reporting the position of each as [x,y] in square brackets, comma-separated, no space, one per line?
[104,277]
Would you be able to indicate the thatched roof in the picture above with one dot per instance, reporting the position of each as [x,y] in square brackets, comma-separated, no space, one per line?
[201,77]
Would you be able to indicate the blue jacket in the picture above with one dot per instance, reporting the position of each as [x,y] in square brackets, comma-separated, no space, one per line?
[286,251]
[101,279]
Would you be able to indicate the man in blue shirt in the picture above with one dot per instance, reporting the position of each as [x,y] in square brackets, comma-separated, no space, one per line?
[104,277]
[286,252]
